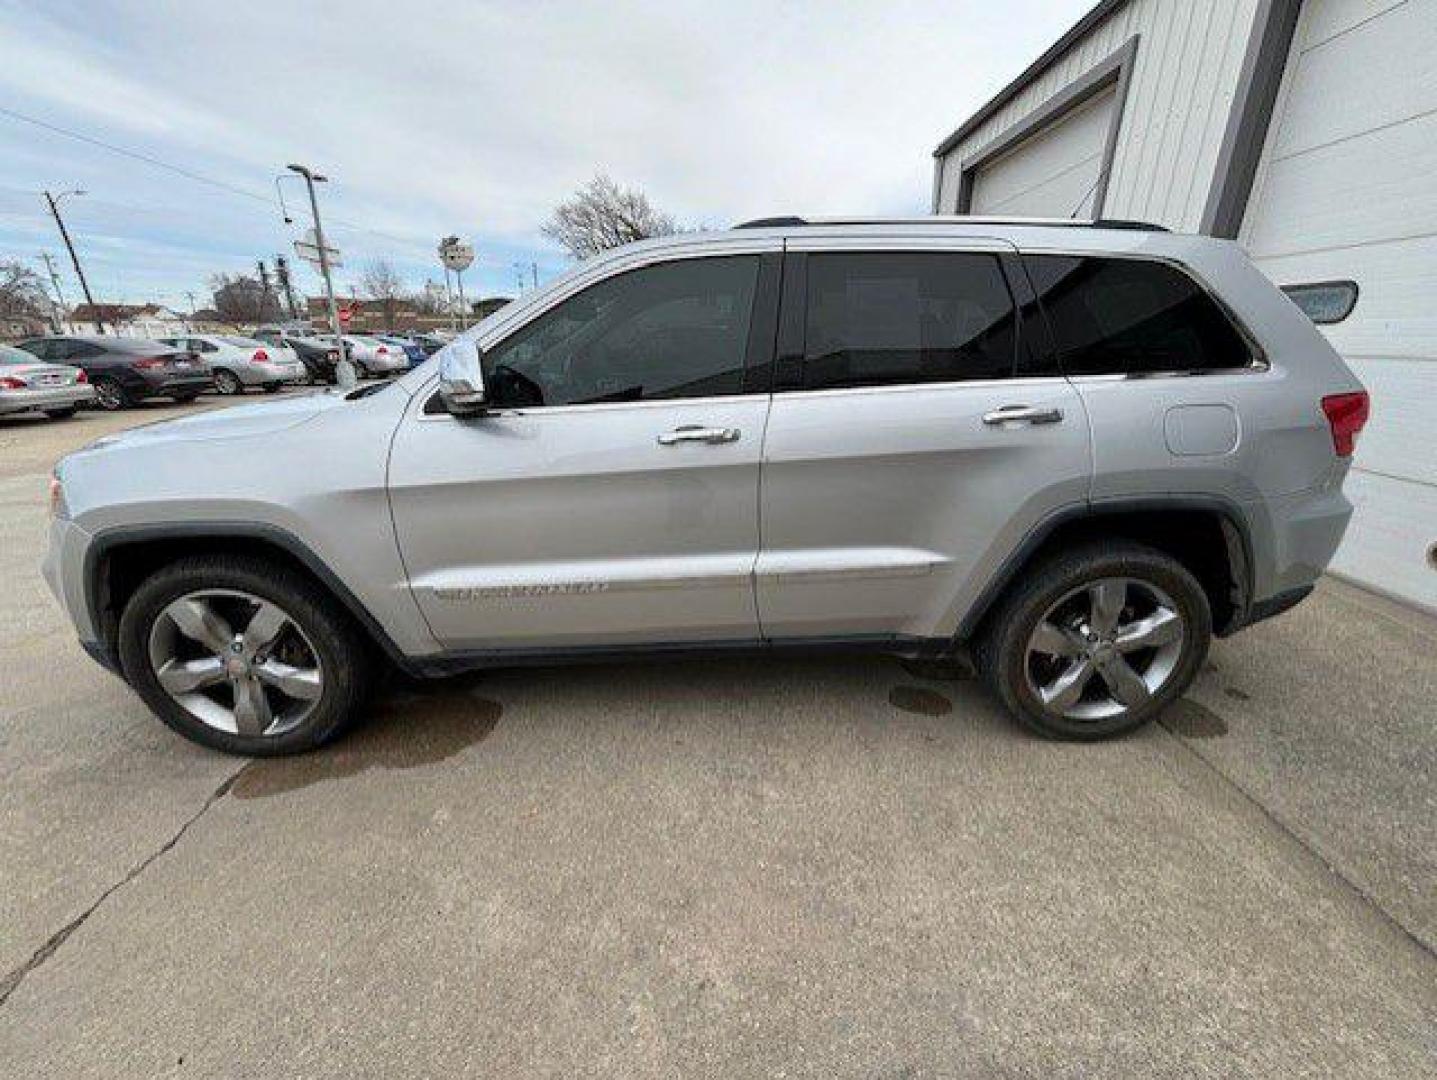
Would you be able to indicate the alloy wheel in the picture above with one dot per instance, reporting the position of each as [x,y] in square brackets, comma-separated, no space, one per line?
[236,662]
[1105,648]
[109,395]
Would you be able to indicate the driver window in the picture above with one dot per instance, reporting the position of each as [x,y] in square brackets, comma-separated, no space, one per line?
[672,330]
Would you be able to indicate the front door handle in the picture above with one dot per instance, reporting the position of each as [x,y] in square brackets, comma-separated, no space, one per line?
[1023,414]
[698,433]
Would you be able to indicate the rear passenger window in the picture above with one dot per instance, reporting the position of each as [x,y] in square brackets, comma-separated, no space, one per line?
[878,319]
[1132,317]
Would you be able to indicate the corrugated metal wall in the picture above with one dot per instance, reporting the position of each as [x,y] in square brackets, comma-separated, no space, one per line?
[1346,189]
[1185,76]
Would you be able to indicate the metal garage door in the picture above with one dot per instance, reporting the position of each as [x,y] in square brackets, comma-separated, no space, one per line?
[1348,189]
[1054,173]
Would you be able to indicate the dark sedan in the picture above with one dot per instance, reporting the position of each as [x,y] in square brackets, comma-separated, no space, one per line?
[123,370]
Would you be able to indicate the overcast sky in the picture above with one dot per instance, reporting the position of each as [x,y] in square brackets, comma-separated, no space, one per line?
[455,116]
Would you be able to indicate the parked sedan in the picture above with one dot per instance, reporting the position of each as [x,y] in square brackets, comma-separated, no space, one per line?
[374,357]
[31,385]
[413,352]
[318,355]
[124,371]
[236,362]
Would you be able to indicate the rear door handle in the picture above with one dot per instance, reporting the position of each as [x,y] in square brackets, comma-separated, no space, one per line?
[1023,414]
[698,433]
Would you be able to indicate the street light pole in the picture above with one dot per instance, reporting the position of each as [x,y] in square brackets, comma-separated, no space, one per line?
[54,202]
[343,369]
[59,295]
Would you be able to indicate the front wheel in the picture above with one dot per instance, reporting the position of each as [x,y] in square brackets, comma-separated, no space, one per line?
[227,382]
[1098,641]
[243,655]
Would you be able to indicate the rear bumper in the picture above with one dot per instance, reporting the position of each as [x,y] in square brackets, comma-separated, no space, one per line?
[264,374]
[59,397]
[1293,538]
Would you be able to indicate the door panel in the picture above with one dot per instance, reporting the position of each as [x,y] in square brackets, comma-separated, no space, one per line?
[576,527]
[611,497]
[886,511]
[888,502]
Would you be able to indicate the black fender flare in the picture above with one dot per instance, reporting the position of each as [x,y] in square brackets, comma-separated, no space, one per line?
[1237,534]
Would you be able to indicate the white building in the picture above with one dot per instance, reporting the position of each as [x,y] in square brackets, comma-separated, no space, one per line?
[1305,129]
[126,320]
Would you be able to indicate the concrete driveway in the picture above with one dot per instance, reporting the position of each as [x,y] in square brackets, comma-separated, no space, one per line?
[722,868]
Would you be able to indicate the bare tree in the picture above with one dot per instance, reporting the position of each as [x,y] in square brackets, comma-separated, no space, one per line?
[22,290]
[381,282]
[602,215]
[241,300]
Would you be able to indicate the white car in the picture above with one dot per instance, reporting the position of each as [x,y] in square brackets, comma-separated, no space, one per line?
[374,357]
[236,362]
[28,384]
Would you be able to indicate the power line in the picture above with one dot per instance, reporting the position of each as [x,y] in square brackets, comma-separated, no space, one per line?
[189,174]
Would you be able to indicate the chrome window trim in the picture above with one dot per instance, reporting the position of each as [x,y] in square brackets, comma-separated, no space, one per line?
[916,387]
[430,388]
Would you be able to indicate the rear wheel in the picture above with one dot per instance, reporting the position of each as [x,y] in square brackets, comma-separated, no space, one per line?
[110,395]
[1097,641]
[227,382]
[61,414]
[243,655]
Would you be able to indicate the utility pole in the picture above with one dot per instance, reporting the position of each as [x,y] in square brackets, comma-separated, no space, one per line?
[59,295]
[344,368]
[449,300]
[534,270]
[54,202]
[264,291]
[281,271]
[194,308]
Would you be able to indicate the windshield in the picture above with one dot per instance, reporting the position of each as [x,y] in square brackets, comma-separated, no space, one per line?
[11,355]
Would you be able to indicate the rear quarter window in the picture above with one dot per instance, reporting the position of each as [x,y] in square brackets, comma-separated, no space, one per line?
[1115,316]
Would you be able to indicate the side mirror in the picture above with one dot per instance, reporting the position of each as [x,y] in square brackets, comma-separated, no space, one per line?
[461,378]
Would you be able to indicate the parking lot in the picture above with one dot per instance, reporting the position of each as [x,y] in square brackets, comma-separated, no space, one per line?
[798,867]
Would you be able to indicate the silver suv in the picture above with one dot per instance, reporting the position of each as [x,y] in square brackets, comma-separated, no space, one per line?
[1070,451]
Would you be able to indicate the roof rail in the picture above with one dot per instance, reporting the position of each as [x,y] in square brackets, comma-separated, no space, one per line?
[794,222]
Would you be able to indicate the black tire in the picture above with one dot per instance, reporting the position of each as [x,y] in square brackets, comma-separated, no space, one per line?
[1002,653]
[271,387]
[110,395]
[227,382]
[61,414]
[342,650]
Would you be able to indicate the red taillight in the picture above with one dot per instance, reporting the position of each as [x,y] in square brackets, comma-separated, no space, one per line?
[1347,415]
[80,376]
[149,363]
[261,356]
[7,383]
[382,351]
